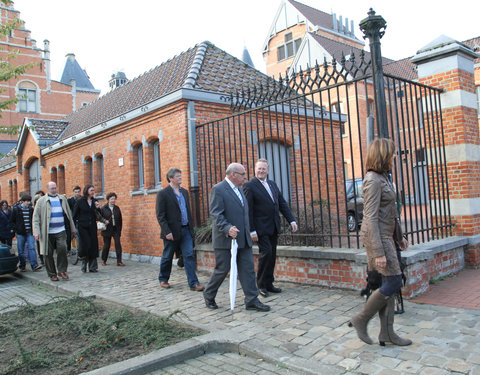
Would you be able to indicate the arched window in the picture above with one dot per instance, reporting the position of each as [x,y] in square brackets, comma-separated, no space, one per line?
[277,155]
[139,181]
[156,164]
[53,175]
[87,171]
[27,97]
[98,176]
[61,179]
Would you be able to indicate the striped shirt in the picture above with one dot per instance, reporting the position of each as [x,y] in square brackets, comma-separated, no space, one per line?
[57,224]
[26,218]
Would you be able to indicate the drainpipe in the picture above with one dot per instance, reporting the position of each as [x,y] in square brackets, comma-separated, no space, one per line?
[192,154]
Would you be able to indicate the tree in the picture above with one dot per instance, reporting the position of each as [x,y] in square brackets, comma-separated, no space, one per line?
[8,70]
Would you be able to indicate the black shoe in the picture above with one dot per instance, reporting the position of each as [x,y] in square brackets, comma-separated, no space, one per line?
[257,305]
[211,304]
[273,289]
[263,292]
[180,262]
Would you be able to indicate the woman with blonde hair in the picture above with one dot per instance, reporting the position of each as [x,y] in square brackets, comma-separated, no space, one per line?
[378,232]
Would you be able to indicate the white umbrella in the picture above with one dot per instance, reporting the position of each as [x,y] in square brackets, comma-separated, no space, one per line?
[233,274]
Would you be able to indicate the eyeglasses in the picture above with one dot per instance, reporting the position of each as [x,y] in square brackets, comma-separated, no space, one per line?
[241,174]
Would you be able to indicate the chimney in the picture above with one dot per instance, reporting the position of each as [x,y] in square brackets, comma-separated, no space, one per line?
[340,24]
[346,26]
[335,27]
[352,33]
[46,57]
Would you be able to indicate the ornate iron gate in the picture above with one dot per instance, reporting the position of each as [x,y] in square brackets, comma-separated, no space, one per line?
[313,126]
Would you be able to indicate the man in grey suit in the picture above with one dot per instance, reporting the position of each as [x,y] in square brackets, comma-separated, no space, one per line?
[229,211]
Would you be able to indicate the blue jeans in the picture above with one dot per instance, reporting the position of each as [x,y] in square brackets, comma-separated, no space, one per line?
[26,250]
[186,244]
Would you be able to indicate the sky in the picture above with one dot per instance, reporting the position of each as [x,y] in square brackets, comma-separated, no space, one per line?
[107,36]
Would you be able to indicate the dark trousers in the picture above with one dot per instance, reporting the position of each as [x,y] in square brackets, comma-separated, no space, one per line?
[246,273]
[107,240]
[266,260]
[56,243]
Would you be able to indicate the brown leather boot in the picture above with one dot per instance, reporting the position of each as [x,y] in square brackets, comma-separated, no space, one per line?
[374,303]
[387,334]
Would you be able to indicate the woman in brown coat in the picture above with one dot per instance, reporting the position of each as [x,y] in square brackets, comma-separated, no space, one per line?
[378,232]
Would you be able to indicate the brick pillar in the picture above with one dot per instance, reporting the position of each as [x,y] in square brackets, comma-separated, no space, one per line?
[53,175]
[448,64]
[10,193]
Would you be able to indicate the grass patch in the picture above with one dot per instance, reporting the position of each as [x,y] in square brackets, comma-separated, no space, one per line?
[77,334]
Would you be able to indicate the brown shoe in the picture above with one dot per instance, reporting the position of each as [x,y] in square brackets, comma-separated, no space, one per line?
[104,263]
[197,288]
[164,285]
[120,264]
[53,278]
[63,275]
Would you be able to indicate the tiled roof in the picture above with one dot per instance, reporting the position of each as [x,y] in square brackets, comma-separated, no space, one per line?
[8,158]
[204,67]
[401,68]
[6,146]
[48,129]
[474,44]
[314,16]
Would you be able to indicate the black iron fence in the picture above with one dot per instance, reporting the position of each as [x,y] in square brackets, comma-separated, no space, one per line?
[313,126]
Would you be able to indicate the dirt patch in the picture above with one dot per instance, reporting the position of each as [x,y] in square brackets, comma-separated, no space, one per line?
[76,334]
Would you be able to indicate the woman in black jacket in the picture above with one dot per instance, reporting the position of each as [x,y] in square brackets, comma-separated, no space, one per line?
[112,213]
[6,233]
[86,213]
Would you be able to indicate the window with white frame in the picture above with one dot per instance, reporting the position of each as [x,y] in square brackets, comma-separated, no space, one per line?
[289,48]
[27,97]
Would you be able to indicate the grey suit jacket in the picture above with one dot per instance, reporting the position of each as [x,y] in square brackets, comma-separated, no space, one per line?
[226,211]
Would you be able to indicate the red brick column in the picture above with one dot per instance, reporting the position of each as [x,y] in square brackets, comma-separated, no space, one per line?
[449,65]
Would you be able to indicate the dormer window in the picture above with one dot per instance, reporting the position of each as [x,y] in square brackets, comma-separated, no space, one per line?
[289,48]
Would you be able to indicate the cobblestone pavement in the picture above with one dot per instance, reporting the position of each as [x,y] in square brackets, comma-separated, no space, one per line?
[307,322]
[225,364]
[15,291]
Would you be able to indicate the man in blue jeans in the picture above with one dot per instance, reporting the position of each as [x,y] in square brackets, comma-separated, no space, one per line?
[175,219]
[21,224]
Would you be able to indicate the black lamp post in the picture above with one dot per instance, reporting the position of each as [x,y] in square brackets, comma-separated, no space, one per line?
[373,28]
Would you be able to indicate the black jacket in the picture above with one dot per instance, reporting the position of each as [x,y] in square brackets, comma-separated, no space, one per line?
[16,220]
[264,213]
[168,213]
[117,215]
[85,215]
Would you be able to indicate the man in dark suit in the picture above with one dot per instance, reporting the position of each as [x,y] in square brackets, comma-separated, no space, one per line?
[175,219]
[229,211]
[265,202]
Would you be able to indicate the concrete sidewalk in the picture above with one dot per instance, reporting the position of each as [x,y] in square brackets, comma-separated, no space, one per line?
[306,331]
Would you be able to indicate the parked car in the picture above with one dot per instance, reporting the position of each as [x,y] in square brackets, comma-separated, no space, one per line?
[354,203]
[8,261]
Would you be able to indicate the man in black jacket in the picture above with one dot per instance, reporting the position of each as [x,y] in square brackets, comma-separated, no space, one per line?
[265,202]
[175,219]
[21,224]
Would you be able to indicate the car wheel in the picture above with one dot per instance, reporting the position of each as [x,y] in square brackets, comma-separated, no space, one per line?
[352,222]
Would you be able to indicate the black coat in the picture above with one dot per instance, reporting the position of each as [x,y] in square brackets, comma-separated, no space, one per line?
[5,230]
[86,216]
[17,223]
[264,214]
[117,215]
[168,213]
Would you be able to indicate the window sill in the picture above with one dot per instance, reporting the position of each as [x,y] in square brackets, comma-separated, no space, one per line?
[137,192]
[154,190]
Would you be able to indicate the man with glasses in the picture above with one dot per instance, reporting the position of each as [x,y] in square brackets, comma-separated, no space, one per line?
[229,211]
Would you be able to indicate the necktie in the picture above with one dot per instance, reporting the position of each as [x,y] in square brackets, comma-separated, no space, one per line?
[235,189]
[267,188]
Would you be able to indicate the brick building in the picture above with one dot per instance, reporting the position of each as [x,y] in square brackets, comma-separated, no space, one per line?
[39,96]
